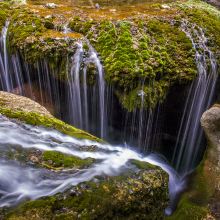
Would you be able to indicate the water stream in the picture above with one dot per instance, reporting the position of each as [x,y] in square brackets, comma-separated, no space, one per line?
[31,183]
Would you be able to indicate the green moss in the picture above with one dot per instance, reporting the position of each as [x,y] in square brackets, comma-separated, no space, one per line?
[208,18]
[152,52]
[194,203]
[51,122]
[4,14]
[189,210]
[143,165]
[57,160]
[24,25]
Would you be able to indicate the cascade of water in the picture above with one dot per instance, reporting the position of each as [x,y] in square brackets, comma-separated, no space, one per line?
[101,84]
[199,99]
[80,102]
[75,88]
[85,89]
[5,78]
[19,182]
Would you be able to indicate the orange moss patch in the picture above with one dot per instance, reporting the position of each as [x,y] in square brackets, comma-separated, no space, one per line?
[66,10]
[57,34]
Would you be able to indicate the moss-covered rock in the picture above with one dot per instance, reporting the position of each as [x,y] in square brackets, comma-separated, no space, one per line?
[53,159]
[142,50]
[133,196]
[30,112]
[140,193]
[201,201]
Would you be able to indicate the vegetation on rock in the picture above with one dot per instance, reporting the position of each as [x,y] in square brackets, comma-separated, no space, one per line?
[132,196]
[38,117]
[145,51]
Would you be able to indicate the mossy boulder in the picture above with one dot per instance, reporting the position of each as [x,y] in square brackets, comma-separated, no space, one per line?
[4,10]
[145,50]
[30,112]
[140,195]
[57,160]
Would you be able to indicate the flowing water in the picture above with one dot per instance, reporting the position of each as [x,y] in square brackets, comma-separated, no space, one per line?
[200,97]
[82,113]
[5,78]
[29,182]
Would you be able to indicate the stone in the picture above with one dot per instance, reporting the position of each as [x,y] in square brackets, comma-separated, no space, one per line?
[210,122]
[51,5]
[34,159]
[16,102]
[165,7]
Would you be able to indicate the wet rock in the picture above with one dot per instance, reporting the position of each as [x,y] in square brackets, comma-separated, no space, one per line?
[142,195]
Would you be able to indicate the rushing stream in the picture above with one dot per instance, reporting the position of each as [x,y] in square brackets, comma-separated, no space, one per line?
[32,183]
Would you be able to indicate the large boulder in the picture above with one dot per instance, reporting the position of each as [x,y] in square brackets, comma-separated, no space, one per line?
[211,124]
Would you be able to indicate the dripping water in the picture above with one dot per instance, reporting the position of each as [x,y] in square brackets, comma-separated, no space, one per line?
[5,78]
[199,98]
[75,88]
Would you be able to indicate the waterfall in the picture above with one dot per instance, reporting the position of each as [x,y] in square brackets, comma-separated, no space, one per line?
[4,67]
[86,101]
[75,103]
[82,112]
[199,98]
[101,84]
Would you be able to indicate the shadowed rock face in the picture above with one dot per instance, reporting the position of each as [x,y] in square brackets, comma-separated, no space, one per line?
[211,124]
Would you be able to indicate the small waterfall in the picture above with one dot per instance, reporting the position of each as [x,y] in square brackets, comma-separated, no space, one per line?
[85,90]
[82,112]
[75,103]
[199,98]
[4,67]
[101,84]
[87,102]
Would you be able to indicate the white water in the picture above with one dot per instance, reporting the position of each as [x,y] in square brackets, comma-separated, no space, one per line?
[5,78]
[101,84]
[19,182]
[199,99]
[82,115]
[74,87]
